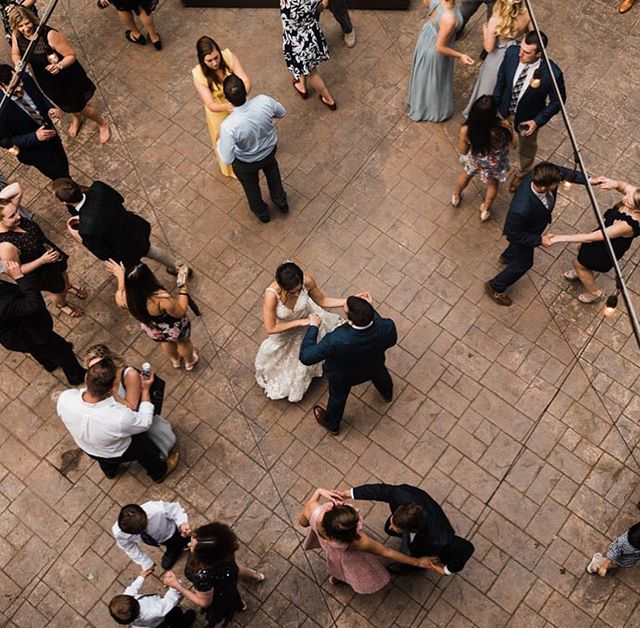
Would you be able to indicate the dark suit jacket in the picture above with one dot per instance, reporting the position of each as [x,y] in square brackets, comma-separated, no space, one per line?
[108,230]
[25,322]
[18,128]
[437,532]
[351,356]
[527,217]
[533,105]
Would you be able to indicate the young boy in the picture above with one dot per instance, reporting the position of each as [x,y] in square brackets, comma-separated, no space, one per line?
[149,611]
[624,552]
[153,523]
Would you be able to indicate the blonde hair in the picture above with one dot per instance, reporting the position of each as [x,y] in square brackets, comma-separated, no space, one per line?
[508,11]
[20,13]
[98,352]
[636,198]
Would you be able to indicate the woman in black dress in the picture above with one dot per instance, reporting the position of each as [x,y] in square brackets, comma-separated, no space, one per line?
[213,571]
[127,10]
[623,224]
[22,240]
[56,69]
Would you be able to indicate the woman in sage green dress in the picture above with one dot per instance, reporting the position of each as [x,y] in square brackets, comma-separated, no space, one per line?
[431,82]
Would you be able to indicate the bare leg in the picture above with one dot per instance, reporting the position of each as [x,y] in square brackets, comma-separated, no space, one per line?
[93,114]
[462,182]
[148,23]
[586,277]
[252,574]
[171,350]
[490,194]
[315,80]
[301,85]
[76,123]
[126,17]
[186,351]
[604,566]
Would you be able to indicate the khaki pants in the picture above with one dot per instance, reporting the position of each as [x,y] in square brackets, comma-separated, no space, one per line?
[527,150]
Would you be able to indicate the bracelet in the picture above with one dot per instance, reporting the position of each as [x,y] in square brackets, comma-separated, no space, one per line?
[186,294]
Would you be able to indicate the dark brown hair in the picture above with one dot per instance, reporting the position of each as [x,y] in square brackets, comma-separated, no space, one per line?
[216,543]
[140,284]
[409,517]
[360,311]
[100,378]
[124,609]
[132,519]
[67,190]
[546,174]
[205,46]
[341,523]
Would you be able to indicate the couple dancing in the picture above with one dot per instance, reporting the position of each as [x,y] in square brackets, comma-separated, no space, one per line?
[302,335]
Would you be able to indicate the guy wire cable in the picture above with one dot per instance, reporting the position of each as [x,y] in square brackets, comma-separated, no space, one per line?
[635,325]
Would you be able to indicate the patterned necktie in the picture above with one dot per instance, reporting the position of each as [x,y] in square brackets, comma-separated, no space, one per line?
[148,539]
[31,110]
[517,88]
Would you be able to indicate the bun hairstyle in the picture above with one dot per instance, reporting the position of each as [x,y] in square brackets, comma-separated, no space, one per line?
[289,276]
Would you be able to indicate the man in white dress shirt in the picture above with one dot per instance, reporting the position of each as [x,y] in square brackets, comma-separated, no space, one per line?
[149,611]
[153,523]
[108,431]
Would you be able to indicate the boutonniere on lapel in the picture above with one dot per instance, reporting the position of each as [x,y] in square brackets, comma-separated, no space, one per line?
[534,83]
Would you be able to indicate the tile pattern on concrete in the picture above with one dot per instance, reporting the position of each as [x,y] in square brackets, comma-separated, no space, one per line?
[523,422]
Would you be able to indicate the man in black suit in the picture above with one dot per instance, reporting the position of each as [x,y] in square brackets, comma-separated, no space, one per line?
[26,326]
[422,524]
[353,353]
[525,95]
[25,123]
[527,218]
[106,228]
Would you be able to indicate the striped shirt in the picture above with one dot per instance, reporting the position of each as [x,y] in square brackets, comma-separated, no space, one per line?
[622,553]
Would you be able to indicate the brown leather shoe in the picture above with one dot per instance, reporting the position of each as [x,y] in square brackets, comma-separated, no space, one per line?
[319,412]
[172,462]
[501,298]
[503,260]
[625,5]
[516,180]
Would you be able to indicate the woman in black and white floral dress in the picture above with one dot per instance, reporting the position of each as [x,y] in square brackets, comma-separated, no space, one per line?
[305,46]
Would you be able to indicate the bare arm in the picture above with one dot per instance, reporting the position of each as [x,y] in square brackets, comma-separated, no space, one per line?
[132,389]
[305,516]
[207,99]
[367,544]
[60,44]
[447,26]
[619,229]
[240,72]
[489,35]
[8,252]
[174,306]
[202,599]
[15,51]
[12,192]
[271,324]
[463,140]
[318,296]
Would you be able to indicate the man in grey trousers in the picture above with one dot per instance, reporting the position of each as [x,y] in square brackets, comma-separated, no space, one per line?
[341,13]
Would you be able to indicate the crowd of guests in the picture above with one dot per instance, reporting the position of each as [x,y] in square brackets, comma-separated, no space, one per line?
[115,416]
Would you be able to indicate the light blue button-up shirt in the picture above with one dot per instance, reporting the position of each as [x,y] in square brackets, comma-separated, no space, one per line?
[248,133]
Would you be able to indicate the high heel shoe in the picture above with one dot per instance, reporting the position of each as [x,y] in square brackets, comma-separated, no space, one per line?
[303,95]
[188,366]
[333,106]
[456,199]
[484,213]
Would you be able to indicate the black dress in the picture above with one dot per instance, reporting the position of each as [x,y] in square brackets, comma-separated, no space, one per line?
[70,89]
[593,255]
[223,579]
[31,245]
[135,5]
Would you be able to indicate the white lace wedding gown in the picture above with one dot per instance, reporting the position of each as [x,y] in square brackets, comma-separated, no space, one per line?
[278,369]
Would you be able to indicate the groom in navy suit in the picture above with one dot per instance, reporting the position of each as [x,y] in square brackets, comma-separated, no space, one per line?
[525,95]
[527,218]
[353,353]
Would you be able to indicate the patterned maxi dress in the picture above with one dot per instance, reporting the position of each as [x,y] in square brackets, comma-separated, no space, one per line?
[303,42]
[278,367]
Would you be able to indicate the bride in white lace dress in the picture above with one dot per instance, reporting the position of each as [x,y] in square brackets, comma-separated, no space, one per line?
[288,302]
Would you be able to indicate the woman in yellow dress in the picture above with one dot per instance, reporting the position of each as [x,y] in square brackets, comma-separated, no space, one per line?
[214,65]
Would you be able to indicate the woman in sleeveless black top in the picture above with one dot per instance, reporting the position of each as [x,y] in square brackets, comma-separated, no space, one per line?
[56,69]
[622,223]
[127,10]
[213,571]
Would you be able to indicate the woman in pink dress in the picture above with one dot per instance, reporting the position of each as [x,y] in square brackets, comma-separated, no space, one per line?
[352,556]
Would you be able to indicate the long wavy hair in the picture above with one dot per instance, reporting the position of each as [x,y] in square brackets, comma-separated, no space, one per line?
[217,543]
[508,12]
[485,129]
[140,284]
[19,14]
[205,46]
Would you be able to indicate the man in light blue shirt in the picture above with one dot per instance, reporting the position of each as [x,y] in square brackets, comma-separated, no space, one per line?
[248,141]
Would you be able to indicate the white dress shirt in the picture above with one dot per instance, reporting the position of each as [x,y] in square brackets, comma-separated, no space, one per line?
[102,429]
[162,520]
[153,608]
[546,198]
[532,67]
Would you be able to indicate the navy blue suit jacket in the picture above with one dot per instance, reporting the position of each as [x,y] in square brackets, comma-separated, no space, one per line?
[351,356]
[18,128]
[436,533]
[527,217]
[533,105]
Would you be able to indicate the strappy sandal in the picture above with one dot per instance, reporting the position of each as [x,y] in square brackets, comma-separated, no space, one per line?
[176,364]
[141,40]
[69,310]
[188,366]
[81,293]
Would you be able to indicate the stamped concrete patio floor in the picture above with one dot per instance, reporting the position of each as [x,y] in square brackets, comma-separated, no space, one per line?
[523,422]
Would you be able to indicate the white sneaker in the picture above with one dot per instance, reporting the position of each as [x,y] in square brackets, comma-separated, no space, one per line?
[350,38]
[570,275]
[593,566]
[587,297]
